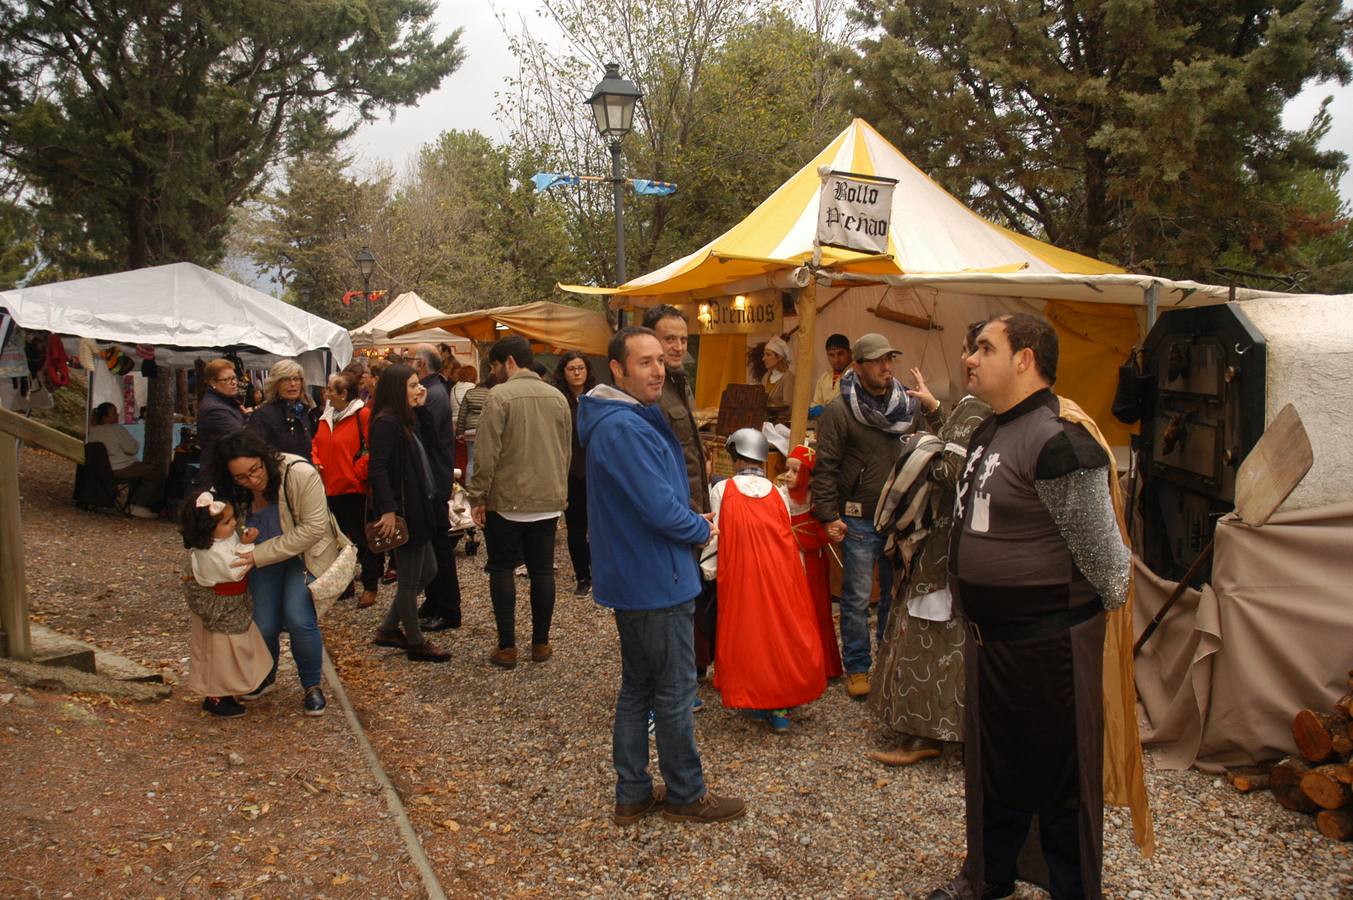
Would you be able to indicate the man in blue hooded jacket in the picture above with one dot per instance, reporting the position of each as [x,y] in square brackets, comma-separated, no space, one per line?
[640,519]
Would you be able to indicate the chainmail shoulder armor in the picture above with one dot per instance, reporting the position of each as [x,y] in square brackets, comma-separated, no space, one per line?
[1083,510]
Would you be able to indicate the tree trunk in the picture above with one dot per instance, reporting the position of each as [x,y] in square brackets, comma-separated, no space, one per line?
[1314,733]
[160,419]
[1337,825]
[1285,783]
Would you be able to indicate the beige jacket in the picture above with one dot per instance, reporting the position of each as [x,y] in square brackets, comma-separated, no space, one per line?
[522,448]
[307,528]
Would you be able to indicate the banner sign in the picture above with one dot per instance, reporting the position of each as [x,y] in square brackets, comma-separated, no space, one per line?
[854,211]
[760,312]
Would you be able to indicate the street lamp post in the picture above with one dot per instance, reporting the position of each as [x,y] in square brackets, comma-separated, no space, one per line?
[612,103]
[366,264]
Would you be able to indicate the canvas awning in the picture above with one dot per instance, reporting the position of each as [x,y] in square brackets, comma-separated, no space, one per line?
[182,310]
[553,325]
[408,308]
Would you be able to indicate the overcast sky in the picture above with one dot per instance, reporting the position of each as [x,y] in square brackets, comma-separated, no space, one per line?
[466,100]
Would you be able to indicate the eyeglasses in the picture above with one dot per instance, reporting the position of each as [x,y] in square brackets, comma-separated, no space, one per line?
[229,379]
[250,475]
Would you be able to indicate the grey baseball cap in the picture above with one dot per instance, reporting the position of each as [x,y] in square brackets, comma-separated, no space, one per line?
[871,346]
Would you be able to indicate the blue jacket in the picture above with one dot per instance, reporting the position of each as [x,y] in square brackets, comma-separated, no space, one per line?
[639,518]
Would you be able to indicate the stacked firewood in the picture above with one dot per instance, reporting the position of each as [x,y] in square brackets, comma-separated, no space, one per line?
[1319,779]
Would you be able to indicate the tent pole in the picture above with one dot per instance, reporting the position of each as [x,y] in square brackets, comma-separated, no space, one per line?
[1152,304]
[803,381]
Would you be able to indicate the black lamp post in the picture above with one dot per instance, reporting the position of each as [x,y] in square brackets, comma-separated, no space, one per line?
[612,103]
[366,264]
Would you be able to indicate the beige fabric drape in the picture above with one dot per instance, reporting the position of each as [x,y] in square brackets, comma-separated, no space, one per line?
[1124,774]
[1272,634]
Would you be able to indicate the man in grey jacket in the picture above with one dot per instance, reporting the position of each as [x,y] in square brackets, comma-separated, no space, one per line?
[518,491]
[857,445]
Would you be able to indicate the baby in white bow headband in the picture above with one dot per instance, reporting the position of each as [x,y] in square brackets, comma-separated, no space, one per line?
[208,528]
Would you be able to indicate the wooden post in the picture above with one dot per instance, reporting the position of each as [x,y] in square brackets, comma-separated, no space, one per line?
[13,599]
[803,380]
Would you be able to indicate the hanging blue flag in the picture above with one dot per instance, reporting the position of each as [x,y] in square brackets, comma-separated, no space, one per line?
[658,188]
[546,180]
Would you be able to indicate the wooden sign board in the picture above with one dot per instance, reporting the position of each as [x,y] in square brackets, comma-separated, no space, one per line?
[741,406]
[1274,468]
[760,312]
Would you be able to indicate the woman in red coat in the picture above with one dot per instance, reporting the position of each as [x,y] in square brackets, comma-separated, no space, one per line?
[339,451]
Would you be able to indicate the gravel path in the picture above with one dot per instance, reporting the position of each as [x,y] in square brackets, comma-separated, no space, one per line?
[507,774]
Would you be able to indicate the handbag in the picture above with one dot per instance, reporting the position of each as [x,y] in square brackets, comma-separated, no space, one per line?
[375,541]
[335,579]
[220,614]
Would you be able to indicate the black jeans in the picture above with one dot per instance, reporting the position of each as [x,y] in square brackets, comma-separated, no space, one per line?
[575,517]
[443,593]
[507,544]
[350,512]
[1004,829]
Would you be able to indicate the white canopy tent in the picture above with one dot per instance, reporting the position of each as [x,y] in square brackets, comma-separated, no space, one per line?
[405,310]
[182,310]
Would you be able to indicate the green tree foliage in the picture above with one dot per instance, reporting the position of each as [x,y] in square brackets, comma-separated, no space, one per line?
[737,96]
[18,244]
[1148,133]
[463,228]
[139,125]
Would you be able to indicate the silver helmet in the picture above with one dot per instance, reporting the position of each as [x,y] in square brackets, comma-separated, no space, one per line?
[748,443]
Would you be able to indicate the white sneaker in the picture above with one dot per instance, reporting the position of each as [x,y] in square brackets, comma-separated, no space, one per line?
[142,513]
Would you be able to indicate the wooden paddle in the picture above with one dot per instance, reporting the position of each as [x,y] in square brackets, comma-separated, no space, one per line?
[1267,477]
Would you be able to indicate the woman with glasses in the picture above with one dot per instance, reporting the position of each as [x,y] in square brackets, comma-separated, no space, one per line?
[283,419]
[218,413]
[282,496]
[574,378]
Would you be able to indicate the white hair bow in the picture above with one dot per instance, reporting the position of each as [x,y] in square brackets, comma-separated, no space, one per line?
[213,506]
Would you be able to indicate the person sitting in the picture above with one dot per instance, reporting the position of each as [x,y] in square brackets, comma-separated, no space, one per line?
[768,658]
[148,490]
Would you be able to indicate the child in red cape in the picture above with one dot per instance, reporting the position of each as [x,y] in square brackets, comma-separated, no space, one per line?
[813,543]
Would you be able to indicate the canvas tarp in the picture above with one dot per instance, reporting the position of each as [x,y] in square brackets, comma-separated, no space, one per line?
[182,310]
[552,325]
[409,308]
[1232,664]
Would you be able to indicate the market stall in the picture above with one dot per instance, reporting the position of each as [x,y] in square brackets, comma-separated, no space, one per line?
[550,327]
[409,309]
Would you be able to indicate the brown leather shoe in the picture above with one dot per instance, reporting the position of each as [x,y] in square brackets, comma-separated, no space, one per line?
[367,598]
[629,813]
[902,756]
[504,657]
[541,652]
[384,637]
[707,810]
[427,652]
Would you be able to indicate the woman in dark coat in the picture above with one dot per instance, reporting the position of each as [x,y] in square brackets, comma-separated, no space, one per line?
[401,482]
[574,378]
[218,412]
[283,419]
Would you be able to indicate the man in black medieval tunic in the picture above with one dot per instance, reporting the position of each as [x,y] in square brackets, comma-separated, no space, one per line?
[1035,559]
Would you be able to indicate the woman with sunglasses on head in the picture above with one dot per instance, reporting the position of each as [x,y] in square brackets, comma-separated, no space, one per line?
[281,495]
[283,419]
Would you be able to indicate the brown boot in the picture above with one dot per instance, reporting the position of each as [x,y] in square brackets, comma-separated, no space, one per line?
[707,810]
[427,652]
[629,813]
[368,598]
[902,756]
[504,657]
[541,652]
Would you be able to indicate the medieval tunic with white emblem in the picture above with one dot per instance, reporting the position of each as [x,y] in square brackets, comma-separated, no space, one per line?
[1036,543]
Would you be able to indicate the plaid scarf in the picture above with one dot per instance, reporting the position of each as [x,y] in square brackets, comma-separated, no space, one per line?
[891,413]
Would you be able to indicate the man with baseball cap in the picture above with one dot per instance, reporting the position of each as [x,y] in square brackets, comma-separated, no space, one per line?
[857,446]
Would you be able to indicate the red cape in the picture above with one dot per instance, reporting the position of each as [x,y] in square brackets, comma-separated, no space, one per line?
[769,653]
[813,541]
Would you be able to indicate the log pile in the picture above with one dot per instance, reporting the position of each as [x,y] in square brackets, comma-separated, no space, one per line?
[1319,779]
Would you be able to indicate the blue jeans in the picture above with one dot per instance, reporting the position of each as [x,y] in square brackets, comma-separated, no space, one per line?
[282,600]
[862,547]
[657,656]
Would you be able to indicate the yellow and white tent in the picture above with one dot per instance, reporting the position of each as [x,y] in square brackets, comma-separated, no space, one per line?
[945,266]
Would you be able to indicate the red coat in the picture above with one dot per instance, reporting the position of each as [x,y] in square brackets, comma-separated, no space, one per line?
[335,452]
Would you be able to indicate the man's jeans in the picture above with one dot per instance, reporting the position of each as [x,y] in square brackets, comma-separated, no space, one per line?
[657,657]
[509,544]
[862,547]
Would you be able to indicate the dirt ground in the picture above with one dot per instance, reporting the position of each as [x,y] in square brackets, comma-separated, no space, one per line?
[506,775]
